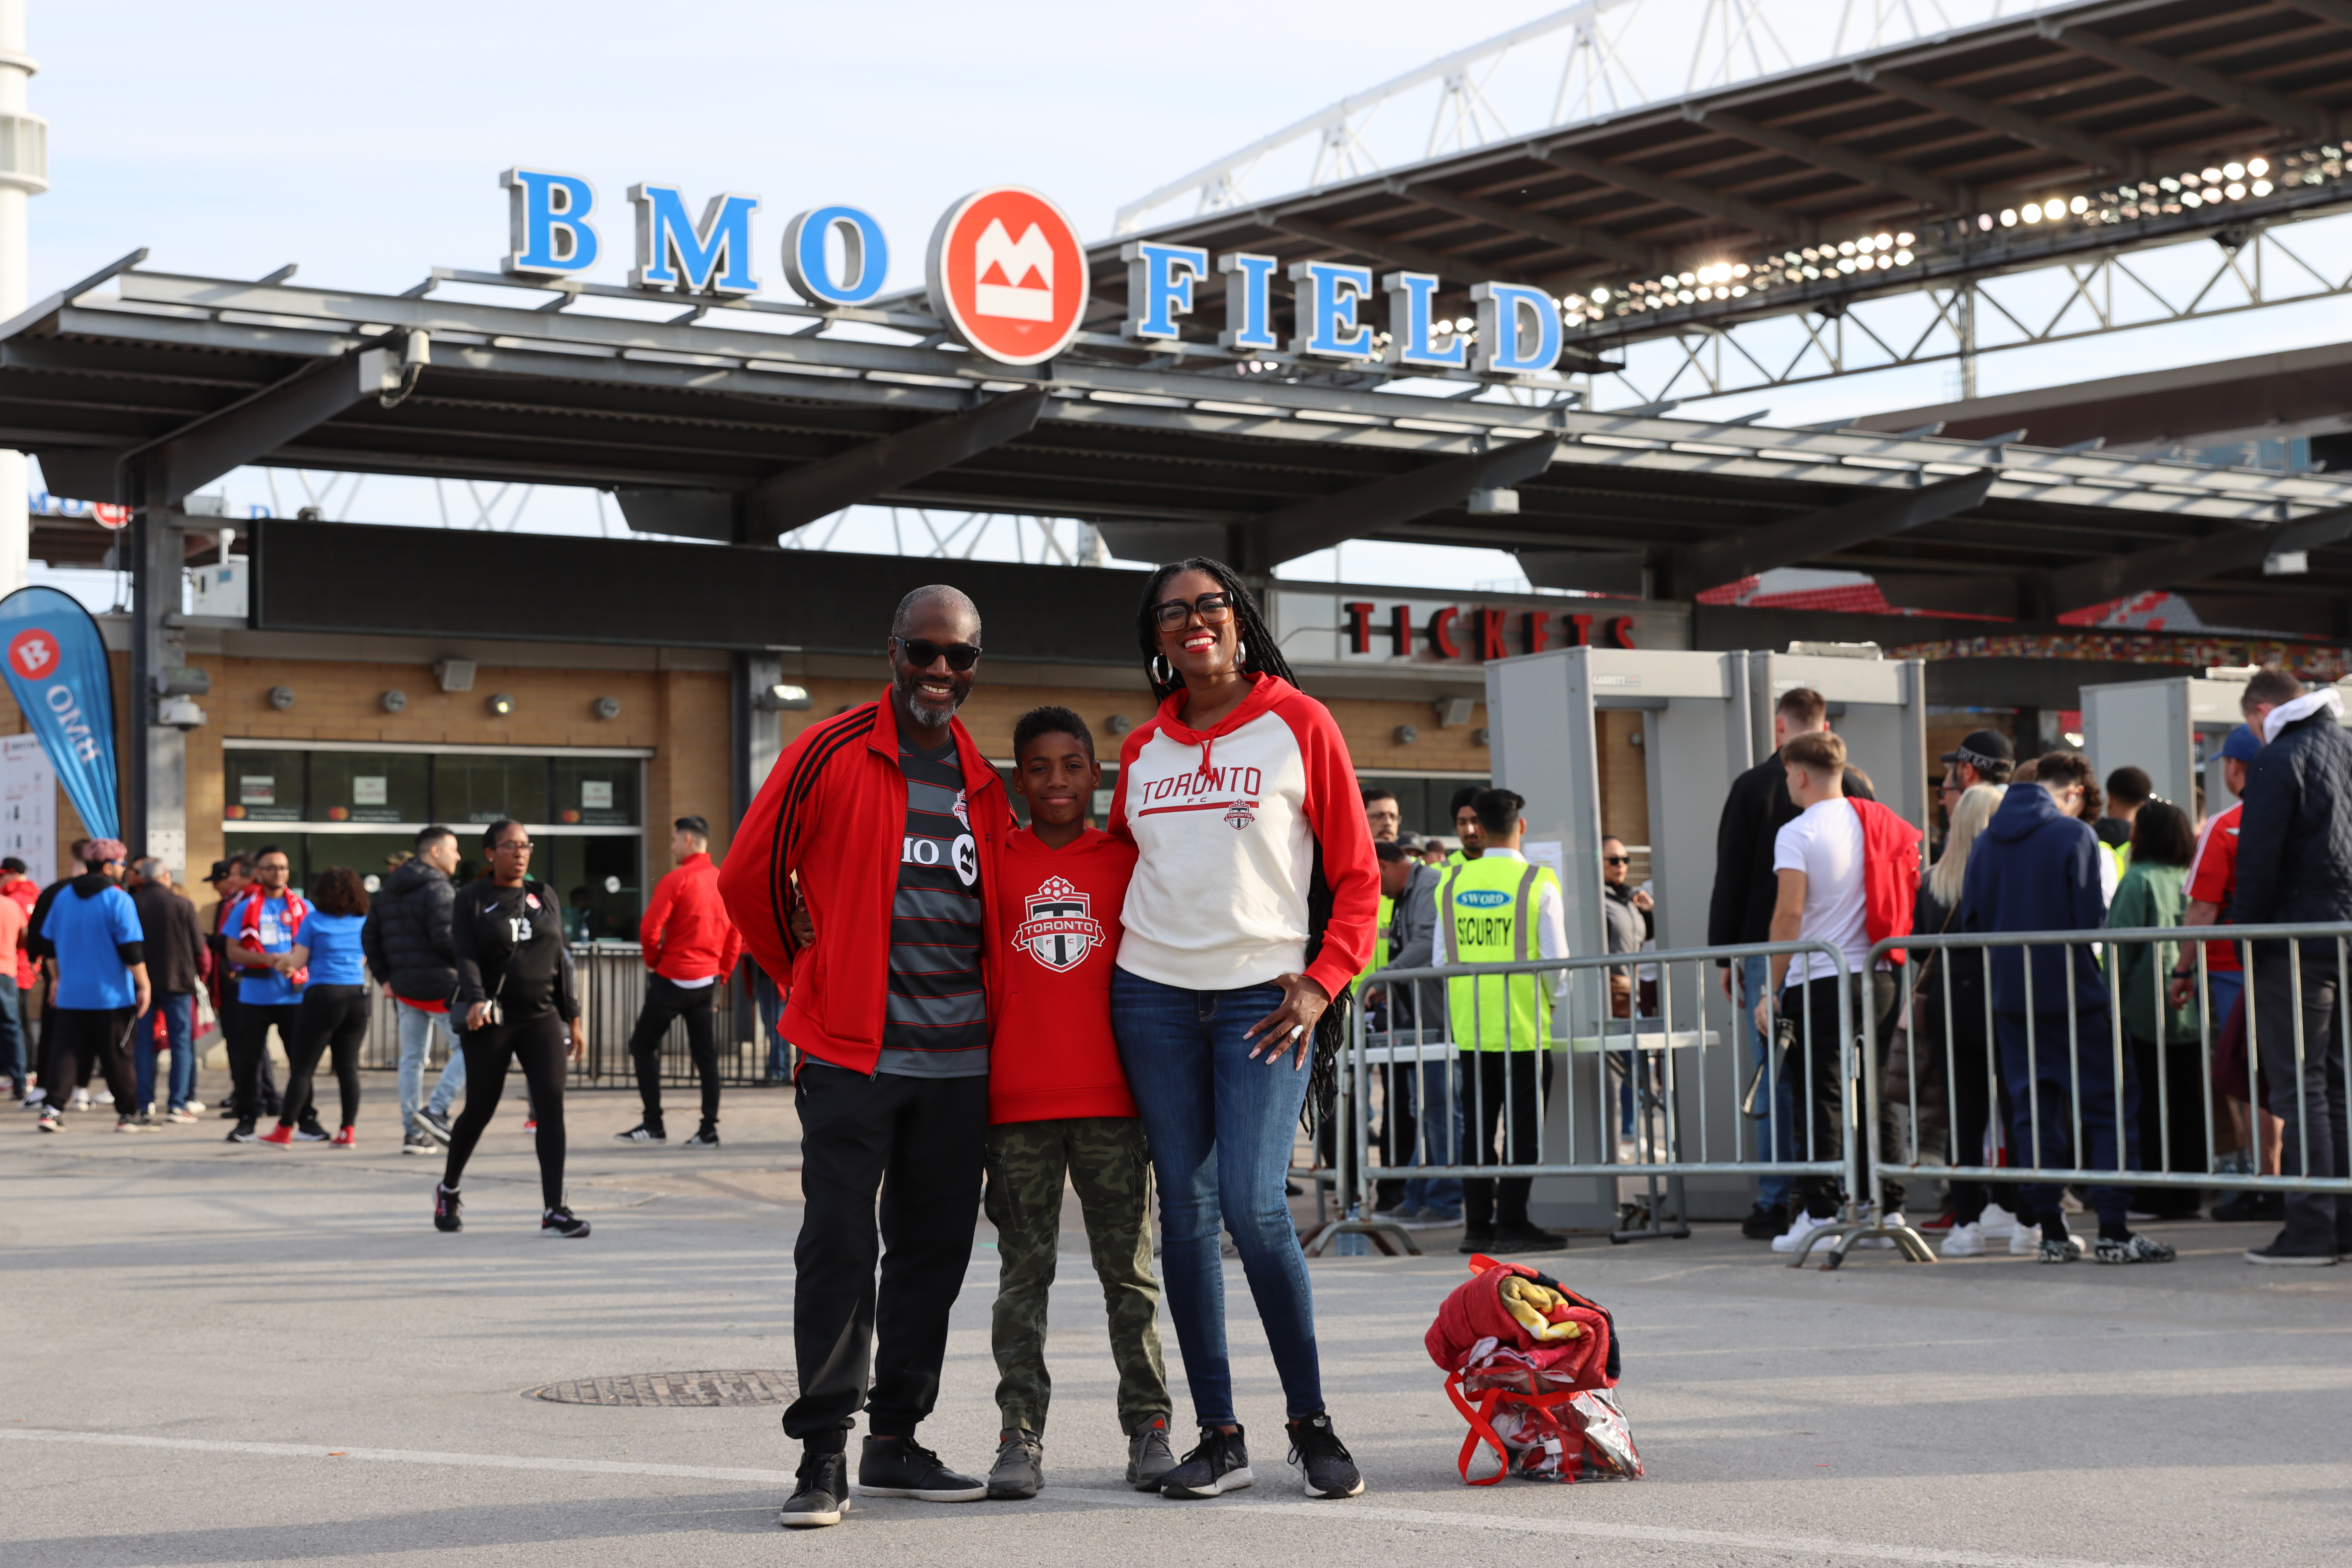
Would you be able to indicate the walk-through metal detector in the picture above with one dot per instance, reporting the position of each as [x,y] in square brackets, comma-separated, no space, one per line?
[1877,706]
[1543,711]
[1706,717]
[2172,729]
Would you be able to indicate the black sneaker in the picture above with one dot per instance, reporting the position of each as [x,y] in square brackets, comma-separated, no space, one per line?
[416,1143]
[707,1138]
[1526,1239]
[1477,1238]
[1020,1468]
[1148,1457]
[242,1132]
[561,1223]
[823,1495]
[2279,1254]
[436,1122]
[1220,1465]
[1765,1221]
[641,1134]
[2134,1248]
[311,1132]
[900,1466]
[1330,1469]
[445,1209]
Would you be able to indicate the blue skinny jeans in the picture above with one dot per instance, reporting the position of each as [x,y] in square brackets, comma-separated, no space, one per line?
[1222,1127]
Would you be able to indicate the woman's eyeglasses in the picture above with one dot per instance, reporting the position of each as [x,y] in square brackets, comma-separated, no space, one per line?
[923,653]
[514,846]
[1214,610]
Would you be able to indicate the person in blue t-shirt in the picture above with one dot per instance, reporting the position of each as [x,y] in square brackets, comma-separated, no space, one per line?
[91,933]
[258,929]
[333,1011]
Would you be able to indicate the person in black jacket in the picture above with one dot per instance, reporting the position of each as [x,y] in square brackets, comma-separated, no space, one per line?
[2294,867]
[409,951]
[176,965]
[1740,911]
[515,993]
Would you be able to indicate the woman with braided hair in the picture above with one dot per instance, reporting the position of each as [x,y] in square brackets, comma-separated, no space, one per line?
[1251,909]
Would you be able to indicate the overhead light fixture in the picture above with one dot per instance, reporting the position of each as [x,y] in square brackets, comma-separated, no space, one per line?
[1453,711]
[281,697]
[393,700]
[1406,735]
[780,697]
[1118,723]
[181,680]
[606,707]
[454,674]
[180,713]
[501,703]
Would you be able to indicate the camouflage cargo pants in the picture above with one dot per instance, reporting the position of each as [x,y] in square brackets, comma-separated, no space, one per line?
[1108,1163]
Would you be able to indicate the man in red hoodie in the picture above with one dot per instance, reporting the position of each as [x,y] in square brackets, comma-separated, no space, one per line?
[882,831]
[1059,1107]
[691,947]
[1847,871]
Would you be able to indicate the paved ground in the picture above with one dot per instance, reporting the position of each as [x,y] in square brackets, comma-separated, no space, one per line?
[254,1355]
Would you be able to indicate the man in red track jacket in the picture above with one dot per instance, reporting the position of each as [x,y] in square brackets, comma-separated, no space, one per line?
[691,947]
[886,827]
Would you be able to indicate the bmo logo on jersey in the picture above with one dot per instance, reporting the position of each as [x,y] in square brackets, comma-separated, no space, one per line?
[1061,929]
[963,855]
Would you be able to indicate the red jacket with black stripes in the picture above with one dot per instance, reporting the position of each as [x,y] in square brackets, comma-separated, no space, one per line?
[828,820]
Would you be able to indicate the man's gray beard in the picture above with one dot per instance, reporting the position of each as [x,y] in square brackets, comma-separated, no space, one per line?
[923,713]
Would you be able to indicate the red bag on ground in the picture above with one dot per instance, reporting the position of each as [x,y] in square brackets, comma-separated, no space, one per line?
[1531,1364]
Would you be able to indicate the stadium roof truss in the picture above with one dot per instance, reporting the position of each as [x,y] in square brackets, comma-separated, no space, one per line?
[2070,138]
[726,423]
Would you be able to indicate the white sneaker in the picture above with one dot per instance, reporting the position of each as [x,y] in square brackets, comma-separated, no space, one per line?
[1800,1225]
[1998,1223]
[1964,1241]
[1884,1241]
[196,1108]
[106,1097]
[82,1101]
[2025,1241]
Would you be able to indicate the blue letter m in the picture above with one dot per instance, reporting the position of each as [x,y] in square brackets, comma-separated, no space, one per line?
[713,255]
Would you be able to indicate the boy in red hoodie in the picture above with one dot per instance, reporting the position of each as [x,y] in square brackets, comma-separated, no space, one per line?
[1058,1103]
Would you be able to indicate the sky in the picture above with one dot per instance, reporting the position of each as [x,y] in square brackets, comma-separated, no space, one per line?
[363,142]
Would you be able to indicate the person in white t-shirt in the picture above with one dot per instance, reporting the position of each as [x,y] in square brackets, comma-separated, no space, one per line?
[1819,860]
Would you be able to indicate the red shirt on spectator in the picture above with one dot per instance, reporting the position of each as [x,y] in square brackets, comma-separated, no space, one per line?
[24,896]
[685,932]
[2213,879]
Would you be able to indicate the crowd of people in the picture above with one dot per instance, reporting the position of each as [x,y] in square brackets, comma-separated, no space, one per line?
[981,1011]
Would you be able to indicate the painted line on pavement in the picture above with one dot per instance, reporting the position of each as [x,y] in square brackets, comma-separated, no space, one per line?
[1328,1513]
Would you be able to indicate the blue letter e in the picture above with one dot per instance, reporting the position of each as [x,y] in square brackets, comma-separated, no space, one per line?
[547,222]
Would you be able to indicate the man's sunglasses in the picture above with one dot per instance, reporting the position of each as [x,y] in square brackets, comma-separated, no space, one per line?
[1616,860]
[1214,610]
[923,653]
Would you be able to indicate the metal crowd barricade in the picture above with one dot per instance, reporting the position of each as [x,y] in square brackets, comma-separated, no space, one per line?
[1678,1054]
[2064,1029]
[610,978]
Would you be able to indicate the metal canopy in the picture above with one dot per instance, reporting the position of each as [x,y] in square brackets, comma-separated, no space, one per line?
[1940,137]
[724,415]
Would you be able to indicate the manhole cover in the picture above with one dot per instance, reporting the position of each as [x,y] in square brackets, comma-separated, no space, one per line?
[761,1387]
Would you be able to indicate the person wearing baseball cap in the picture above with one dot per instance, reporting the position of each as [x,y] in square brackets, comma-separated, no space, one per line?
[93,935]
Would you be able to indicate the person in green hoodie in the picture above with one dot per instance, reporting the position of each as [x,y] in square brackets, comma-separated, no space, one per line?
[2163,1038]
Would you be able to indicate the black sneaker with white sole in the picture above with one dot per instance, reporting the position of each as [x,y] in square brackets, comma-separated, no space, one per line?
[436,1122]
[416,1143]
[707,1138]
[311,1132]
[1147,1456]
[445,1207]
[1020,1468]
[822,1496]
[1324,1460]
[2281,1254]
[1219,1465]
[242,1132]
[561,1223]
[900,1466]
[641,1134]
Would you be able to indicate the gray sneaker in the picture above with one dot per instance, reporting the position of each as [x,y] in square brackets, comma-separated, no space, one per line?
[416,1142]
[1148,1459]
[436,1122]
[1020,1468]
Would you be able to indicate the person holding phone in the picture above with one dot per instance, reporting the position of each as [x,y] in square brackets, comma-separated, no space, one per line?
[515,995]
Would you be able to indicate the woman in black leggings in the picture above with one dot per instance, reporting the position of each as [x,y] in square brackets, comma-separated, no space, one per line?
[333,1013]
[514,998]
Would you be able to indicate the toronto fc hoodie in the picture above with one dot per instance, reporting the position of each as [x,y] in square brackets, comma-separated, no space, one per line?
[1230,826]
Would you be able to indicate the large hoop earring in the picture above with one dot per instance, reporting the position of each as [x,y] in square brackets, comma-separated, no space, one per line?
[1159,664]
[1241,654]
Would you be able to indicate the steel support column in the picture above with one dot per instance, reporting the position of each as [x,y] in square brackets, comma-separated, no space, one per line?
[155,815]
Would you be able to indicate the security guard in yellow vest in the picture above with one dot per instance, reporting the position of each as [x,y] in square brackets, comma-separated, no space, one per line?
[1498,909]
